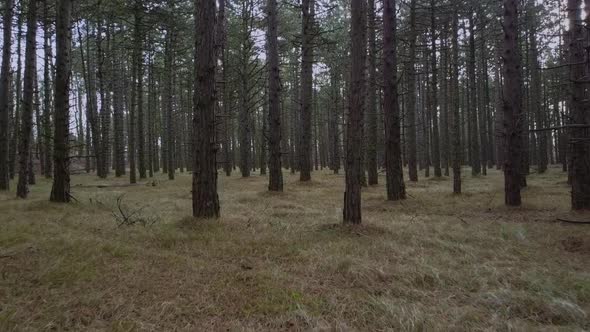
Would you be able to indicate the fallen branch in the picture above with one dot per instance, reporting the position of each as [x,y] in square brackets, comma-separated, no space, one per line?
[579,222]
[102,186]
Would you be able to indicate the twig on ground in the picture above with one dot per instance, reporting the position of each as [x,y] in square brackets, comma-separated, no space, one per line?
[578,222]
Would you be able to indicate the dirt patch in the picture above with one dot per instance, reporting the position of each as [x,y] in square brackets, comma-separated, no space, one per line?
[576,244]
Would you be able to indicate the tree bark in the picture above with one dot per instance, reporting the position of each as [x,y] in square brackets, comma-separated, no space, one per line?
[434,94]
[580,138]
[205,198]
[373,178]
[352,195]
[22,189]
[47,76]
[118,116]
[139,36]
[14,137]
[305,147]
[456,150]
[334,127]
[5,94]
[536,99]
[411,110]
[60,192]
[274,101]
[168,100]
[512,108]
[396,189]
[473,109]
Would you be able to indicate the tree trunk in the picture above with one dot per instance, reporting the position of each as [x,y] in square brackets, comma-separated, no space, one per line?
[205,198]
[411,124]
[93,105]
[118,116]
[274,101]
[5,95]
[456,150]
[263,136]
[47,76]
[371,152]
[536,91]
[305,147]
[139,91]
[223,103]
[169,104]
[14,139]
[334,127]
[104,112]
[60,192]
[22,189]
[294,118]
[434,95]
[352,195]
[473,109]
[393,157]
[512,112]
[151,106]
[444,121]
[579,139]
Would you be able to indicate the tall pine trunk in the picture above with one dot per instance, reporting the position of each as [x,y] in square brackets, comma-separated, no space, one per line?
[5,95]
[411,124]
[274,101]
[305,147]
[205,198]
[371,152]
[47,77]
[579,140]
[12,149]
[60,192]
[25,136]
[434,94]
[393,157]
[455,120]
[474,152]
[512,107]
[352,194]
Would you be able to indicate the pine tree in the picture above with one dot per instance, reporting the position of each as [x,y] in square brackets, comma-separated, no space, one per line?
[512,109]
[60,192]
[393,162]
[26,129]
[352,194]
[205,198]
[5,94]
[274,100]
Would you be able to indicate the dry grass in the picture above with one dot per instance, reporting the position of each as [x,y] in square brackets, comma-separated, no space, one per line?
[282,261]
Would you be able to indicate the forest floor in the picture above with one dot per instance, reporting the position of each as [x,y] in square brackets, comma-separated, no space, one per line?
[283,261]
